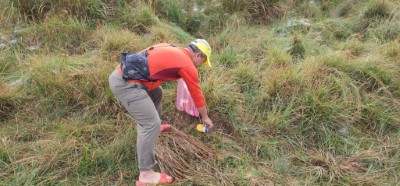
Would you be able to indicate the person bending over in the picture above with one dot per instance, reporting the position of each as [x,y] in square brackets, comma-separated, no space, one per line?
[136,81]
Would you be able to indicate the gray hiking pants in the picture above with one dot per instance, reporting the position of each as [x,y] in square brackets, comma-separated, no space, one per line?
[145,107]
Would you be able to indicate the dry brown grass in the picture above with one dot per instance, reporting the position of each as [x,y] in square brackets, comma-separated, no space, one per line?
[184,156]
[356,168]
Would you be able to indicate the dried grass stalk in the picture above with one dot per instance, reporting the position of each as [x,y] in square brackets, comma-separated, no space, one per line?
[184,156]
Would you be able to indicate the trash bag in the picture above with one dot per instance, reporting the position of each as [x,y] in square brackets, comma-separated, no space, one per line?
[184,101]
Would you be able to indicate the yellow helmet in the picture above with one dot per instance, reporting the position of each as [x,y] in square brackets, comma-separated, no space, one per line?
[205,48]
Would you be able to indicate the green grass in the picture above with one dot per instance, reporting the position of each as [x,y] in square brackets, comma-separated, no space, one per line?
[39,10]
[301,93]
[138,17]
[55,35]
[378,9]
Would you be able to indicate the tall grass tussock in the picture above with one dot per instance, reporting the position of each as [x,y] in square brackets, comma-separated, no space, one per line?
[300,92]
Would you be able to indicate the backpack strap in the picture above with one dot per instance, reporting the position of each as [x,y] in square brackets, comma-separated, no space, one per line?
[152,48]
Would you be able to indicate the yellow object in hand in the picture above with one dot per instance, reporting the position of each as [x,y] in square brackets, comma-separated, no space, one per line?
[201,128]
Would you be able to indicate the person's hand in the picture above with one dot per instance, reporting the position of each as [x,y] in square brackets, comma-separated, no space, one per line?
[207,121]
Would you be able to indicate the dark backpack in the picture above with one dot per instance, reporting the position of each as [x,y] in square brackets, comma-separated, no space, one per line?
[134,66]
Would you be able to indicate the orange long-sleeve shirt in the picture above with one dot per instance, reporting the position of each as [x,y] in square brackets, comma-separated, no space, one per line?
[167,63]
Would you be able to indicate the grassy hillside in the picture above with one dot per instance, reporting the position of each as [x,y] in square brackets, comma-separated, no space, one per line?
[301,92]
